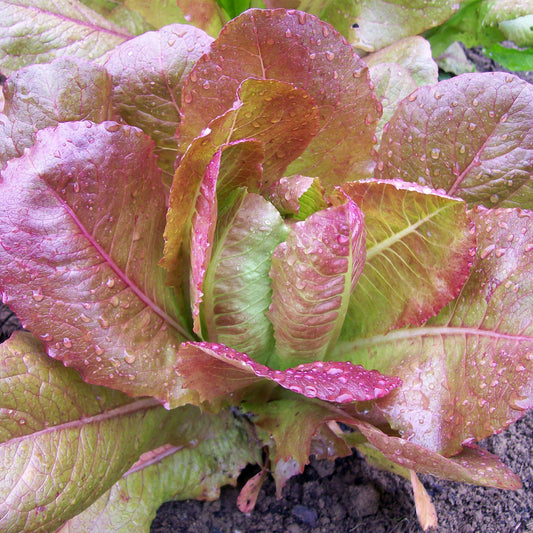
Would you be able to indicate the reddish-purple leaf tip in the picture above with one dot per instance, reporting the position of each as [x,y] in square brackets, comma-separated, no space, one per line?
[332,381]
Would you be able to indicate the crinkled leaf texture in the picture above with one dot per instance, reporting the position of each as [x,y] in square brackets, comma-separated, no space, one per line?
[40,96]
[420,246]
[477,142]
[37,31]
[214,370]
[148,73]
[283,45]
[169,473]
[313,274]
[467,373]
[268,112]
[81,223]
[237,287]
[64,443]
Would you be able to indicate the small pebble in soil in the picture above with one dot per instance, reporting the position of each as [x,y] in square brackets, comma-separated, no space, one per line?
[305,514]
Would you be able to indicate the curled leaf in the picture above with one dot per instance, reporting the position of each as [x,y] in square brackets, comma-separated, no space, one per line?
[282,45]
[214,370]
[313,274]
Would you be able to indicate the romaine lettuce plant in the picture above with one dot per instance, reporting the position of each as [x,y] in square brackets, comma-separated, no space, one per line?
[255,249]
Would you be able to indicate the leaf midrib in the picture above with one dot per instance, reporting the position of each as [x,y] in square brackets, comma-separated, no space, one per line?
[118,271]
[145,404]
[380,247]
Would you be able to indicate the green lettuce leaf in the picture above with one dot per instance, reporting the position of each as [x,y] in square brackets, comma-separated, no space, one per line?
[477,140]
[81,222]
[169,473]
[382,22]
[37,31]
[237,286]
[420,246]
[64,443]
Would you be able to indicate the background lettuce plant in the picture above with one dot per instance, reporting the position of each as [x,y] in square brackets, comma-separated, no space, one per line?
[234,245]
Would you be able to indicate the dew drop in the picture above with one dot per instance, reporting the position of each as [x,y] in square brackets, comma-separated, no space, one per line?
[288,34]
[129,358]
[187,98]
[528,247]
[411,97]
[111,128]
[472,126]
[462,150]
[76,186]
[435,153]
[37,295]
[500,252]
[110,283]
[22,421]
[330,56]
[494,198]
[114,301]
[301,17]
[98,351]
[67,343]
[206,85]
[103,322]
[193,77]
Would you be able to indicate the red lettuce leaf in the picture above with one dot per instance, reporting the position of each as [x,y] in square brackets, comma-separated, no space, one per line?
[472,465]
[468,372]
[202,233]
[147,73]
[40,96]
[267,112]
[420,247]
[81,219]
[297,48]
[477,140]
[313,274]
[214,370]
